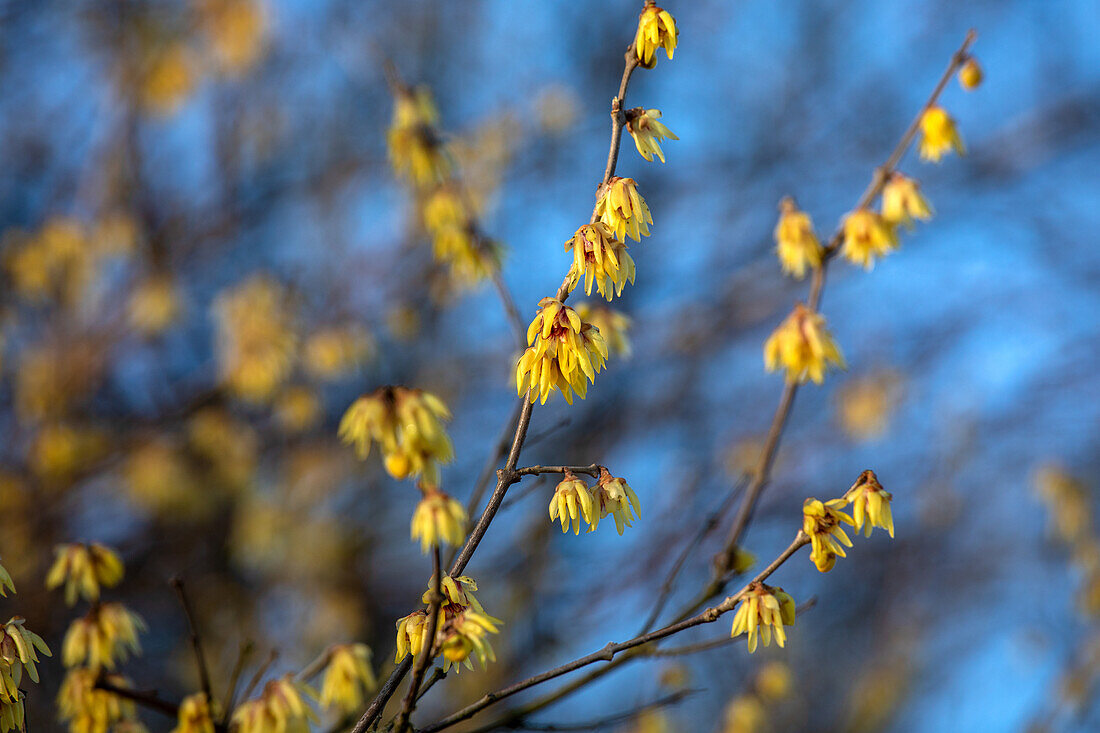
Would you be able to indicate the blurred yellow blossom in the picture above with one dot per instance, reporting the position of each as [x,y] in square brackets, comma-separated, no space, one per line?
[50,378]
[236,30]
[865,404]
[599,257]
[298,409]
[84,568]
[229,446]
[821,521]
[256,340]
[745,714]
[195,715]
[160,480]
[438,518]
[563,352]
[867,235]
[106,635]
[971,74]
[88,709]
[116,233]
[795,241]
[282,707]
[803,347]
[154,305]
[415,149]
[55,263]
[1068,501]
[656,29]
[335,351]
[763,610]
[939,135]
[613,325]
[773,681]
[348,678]
[556,108]
[613,495]
[902,201]
[407,424]
[645,126]
[168,78]
[870,504]
[623,210]
[572,501]
[60,451]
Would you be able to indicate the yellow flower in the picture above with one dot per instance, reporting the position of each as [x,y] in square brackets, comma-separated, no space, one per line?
[235,30]
[656,29]
[457,591]
[773,681]
[571,501]
[105,636]
[971,74]
[84,568]
[870,504]
[255,340]
[415,148]
[88,709]
[645,126]
[438,518]
[168,78]
[412,634]
[613,325]
[471,256]
[6,583]
[615,497]
[902,202]
[12,715]
[466,635]
[194,715]
[19,649]
[623,210]
[280,708]
[154,305]
[867,235]
[821,522]
[335,351]
[298,409]
[939,135]
[802,346]
[745,714]
[762,611]
[866,403]
[348,678]
[564,352]
[446,209]
[795,241]
[406,424]
[599,257]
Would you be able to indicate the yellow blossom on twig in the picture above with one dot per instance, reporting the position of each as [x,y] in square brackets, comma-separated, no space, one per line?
[821,522]
[939,135]
[564,352]
[406,424]
[867,235]
[599,257]
[763,610]
[870,504]
[412,634]
[612,325]
[971,75]
[656,29]
[280,708]
[902,201]
[613,495]
[83,569]
[795,241]
[803,347]
[108,634]
[348,678]
[195,715]
[645,126]
[19,647]
[438,518]
[623,209]
[466,635]
[89,709]
[572,502]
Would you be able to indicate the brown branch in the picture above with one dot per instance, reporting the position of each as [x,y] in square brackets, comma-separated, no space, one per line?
[145,698]
[196,640]
[252,683]
[593,470]
[434,602]
[608,652]
[703,646]
[623,717]
[243,653]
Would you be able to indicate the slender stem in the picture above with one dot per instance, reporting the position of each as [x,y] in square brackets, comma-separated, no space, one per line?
[427,654]
[437,675]
[145,699]
[244,652]
[593,470]
[606,722]
[196,640]
[256,678]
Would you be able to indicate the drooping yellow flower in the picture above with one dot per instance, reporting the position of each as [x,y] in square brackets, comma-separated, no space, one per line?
[471,256]
[19,647]
[407,424]
[564,352]
[867,235]
[795,241]
[971,74]
[256,340]
[335,351]
[902,201]
[763,610]
[84,568]
[456,591]
[415,148]
[612,325]
[599,257]
[88,709]
[656,29]
[195,715]
[412,634]
[6,583]
[154,305]
[348,678]
[445,208]
[623,209]
[12,715]
[803,346]
[298,409]
[572,502]
[645,126]
[821,521]
[466,635]
[282,707]
[108,634]
[438,518]
[870,504]
[939,135]
[613,495]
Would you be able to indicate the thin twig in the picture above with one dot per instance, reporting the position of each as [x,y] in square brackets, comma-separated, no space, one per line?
[427,654]
[148,699]
[196,640]
[437,675]
[703,646]
[623,717]
[252,683]
[593,470]
[315,667]
[243,653]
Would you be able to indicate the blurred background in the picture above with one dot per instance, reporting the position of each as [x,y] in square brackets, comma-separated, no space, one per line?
[206,257]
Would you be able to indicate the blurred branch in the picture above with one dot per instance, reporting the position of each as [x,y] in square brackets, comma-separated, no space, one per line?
[196,640]
[623,717]
[243,653]
[435,600]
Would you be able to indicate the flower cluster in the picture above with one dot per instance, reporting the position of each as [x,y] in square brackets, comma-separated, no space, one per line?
[823,522]
[623,209]
[83,568]
[563,352]
[574,501]
[407,425]
[599,257]
[902,201]
[456,239]
[656,29]
[870,504]
[348,678]
[645,126]
[256,341]
[88,709]
[795,241]
[763,610]
[462,627]
[416,152]
[19,647]
[105,636]
[282,707]
[438,518]
[195,715]
[867,235]
[803,347]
